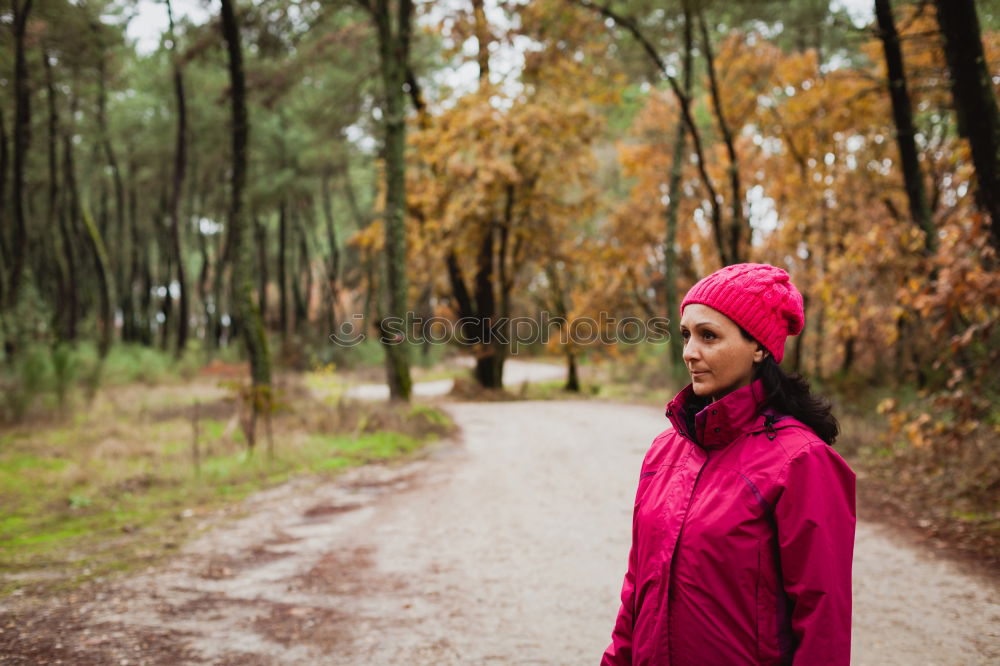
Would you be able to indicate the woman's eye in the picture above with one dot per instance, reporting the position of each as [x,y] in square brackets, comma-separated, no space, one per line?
[708,335]
[685,334]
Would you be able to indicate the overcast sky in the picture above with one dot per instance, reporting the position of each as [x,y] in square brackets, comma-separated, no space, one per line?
[150,20]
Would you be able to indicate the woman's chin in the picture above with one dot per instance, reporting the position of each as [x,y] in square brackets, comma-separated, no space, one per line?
[700,388]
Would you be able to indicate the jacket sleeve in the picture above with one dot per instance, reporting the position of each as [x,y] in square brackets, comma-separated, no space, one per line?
[619,653]
[815,518]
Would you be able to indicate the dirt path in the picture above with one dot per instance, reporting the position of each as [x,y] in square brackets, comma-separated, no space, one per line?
[515,373]
[507,547]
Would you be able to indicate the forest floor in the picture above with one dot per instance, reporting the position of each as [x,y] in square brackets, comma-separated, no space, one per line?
[505,544]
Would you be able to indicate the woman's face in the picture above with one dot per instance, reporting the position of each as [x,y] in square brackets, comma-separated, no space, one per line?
[717,355]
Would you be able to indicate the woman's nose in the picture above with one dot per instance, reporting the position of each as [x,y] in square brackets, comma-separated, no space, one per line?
[690,351]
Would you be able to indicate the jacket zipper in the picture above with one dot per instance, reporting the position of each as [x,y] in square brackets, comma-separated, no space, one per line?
[677,543]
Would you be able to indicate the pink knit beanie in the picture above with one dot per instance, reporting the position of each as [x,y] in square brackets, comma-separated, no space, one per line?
[758,297]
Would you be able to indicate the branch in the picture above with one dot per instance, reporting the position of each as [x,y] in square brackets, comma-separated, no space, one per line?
[727,137]
[404,27]
[417,97]
[684,100]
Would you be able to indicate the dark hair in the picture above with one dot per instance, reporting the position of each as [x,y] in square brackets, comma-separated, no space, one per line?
[790,394]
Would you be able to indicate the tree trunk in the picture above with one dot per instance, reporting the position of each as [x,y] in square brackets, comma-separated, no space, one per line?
[572,374]
[242,287]
[190,222]
[738,247]
[974,100]
[333,265]
[5,258]
[295,280]
[800,339]
[166,256]
[96,243]
[260,234]
[490,268]
[463,301]
[306,222]
[283,319]
[22,140]
[109,154]
[477,312]
[482,39]
[146,294]
[674,348]
[203,277]
[51,211]
[167,304]
[56,215]
[561,312]
[218,293]
[103,213]
[902,113]
[489,356]
[126,296]
[820,319]
[68,219]
[848,360]
[394,50]
[180,164]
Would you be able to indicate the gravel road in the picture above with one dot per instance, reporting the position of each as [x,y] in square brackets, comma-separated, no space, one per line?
[505,547]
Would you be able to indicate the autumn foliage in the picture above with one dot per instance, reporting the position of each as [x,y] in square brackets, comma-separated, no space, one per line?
[577,207]
[510,158]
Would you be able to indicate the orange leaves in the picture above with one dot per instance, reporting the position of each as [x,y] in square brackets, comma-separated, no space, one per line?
[370,240]
[747,66]
[518,166]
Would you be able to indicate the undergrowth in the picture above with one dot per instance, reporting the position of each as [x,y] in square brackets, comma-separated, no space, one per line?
[121,484]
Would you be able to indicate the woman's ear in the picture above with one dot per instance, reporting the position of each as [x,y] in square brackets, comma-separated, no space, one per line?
[759,354]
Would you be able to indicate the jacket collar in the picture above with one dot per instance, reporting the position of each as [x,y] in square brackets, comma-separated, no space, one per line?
[718,423]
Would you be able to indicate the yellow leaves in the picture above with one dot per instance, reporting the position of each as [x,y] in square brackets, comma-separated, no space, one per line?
[460,165]
[370,240]
[914,431]
[745,65]
[887,405]
[519,169]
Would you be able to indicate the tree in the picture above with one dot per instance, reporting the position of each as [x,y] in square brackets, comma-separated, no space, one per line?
[22,141]
[738,238]
[239,240]
[974,99]
[180,165]
[68,315]
[902,113]
[730,247]
[671,302]
[393,27]
[100,255]
[498,191]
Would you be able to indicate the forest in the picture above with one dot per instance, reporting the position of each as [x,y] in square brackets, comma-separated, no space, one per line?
[253,182]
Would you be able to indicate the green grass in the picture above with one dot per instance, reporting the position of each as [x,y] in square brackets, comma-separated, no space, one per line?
[46,379]
[107,491]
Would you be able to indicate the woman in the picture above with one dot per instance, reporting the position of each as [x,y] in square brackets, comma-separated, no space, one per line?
[743,526]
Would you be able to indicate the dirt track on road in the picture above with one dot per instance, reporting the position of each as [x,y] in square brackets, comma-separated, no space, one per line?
[505,547]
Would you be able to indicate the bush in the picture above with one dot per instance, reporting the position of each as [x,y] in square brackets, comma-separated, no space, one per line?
[39,370]
[64,367]
[129,363]
[32,375]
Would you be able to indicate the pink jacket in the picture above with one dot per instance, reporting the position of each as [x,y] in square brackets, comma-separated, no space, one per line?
[741,546]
